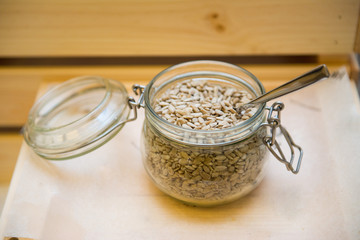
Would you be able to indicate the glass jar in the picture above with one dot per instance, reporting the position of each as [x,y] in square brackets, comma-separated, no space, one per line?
[203,167]
[198,167]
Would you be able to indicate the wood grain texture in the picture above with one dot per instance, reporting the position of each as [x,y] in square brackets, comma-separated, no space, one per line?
[182,27]
[17,94]
[10,144]
[357,38]
[18,85]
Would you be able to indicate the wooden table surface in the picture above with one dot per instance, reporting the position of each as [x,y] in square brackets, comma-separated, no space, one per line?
[106,194]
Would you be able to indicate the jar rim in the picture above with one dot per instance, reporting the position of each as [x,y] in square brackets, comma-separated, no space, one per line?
[247,123]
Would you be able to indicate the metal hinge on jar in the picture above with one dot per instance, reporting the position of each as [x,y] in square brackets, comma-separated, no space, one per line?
[134,105]
[274,123]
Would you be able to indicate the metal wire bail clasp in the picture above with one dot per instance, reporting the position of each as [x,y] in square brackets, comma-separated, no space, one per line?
[134,105]
[273,121]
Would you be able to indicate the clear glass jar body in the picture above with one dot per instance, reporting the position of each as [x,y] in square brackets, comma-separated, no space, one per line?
[201,167]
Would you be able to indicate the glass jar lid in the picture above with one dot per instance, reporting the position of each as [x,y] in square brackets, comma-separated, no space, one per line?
[76,117]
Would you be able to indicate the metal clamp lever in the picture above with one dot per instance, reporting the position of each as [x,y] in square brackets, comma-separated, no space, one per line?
[134,105]
[273,121]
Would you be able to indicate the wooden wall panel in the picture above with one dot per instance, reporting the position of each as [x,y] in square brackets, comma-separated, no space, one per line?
[17,95]
[357,38]
[181,27]
[10,144]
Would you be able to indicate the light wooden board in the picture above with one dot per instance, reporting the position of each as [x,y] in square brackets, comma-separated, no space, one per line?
[17,94]
[183,27]
[10,144]
[357,39]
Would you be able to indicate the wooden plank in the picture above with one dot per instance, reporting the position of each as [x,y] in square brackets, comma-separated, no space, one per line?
[17,94]
[18,85]
[10,144]
[357,37]
[183,27]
